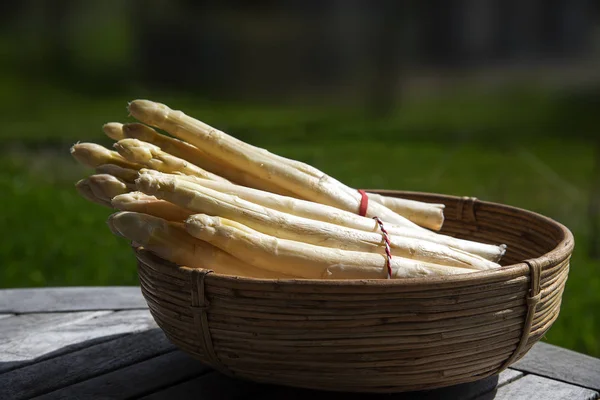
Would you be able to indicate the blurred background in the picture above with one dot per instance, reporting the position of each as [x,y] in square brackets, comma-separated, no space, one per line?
[497,99]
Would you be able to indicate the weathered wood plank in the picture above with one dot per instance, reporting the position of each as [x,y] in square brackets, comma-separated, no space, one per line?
[561,364]
[50,339]
[208,387]
[71,299]
[59,372]
[6,315]
[9,327]
[135,380]
[20,327]
[462,391]
[537,387]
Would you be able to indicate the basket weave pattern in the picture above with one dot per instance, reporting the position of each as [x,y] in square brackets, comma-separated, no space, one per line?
[374,335]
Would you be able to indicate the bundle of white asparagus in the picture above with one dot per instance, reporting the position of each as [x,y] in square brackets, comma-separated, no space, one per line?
[204,199]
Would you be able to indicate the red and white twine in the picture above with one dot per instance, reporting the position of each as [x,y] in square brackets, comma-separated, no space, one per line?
[362,211]
[388,251]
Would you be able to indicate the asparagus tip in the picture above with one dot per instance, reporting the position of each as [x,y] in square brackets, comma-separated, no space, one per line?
[153,183]
[148,111]
[134,150]
[200,222]
[81,183]
[133,226]
[147,183]
[111,225]
[85,190]
[140,106]
[113,130]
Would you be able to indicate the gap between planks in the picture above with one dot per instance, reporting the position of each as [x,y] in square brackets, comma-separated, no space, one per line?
[561,364]
[534,386]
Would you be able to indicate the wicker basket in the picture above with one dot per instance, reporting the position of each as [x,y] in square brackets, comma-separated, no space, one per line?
[374,335]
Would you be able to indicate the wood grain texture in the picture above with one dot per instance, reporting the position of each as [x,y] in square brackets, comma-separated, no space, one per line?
[537,387]
[562,364]
[462,391]
[211,386]
[135,380]
[71,299]
[50,339]
[68,369]
[17,324]
[18,330]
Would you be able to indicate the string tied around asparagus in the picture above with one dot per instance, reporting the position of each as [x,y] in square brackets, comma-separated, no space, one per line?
[364,203]
[388,251]
[362,211]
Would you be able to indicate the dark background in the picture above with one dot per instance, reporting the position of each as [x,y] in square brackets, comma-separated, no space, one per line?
[487,98]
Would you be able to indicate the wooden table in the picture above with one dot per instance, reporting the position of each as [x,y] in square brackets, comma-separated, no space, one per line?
[102,343]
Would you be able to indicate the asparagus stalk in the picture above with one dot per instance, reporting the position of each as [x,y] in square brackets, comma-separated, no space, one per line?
[142,203]
[288,226]
[319,212]
[171,242]
[94,155]
[125,174]
[423,214]
[305,260]
[194,155]
[153,157]
[261,164]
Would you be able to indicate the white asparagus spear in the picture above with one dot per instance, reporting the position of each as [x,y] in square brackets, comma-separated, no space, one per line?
[124,174]
[84,189]
[242,156]
[427,215]
[94,155]
[143,203]
[171,242]
[423,214]
[287,226]
[194,155]
[114,130]
[106,186]
[305,260]
[319,212]
[153,157]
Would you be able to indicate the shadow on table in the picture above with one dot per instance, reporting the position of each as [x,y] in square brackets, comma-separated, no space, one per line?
[214,385]
[486,388]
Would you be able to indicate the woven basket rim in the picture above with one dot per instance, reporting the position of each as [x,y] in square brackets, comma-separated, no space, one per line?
[562,250]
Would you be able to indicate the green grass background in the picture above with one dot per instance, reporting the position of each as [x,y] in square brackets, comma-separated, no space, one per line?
[529,149]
